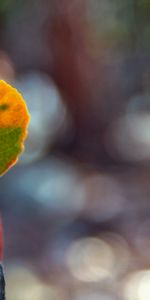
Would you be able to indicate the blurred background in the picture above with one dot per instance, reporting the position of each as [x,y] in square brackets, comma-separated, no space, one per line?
[76,208]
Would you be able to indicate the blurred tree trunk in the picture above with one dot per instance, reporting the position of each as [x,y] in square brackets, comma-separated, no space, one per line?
[81,78]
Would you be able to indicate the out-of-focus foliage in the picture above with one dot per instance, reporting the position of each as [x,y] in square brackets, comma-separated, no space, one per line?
[77,210]
[4,5]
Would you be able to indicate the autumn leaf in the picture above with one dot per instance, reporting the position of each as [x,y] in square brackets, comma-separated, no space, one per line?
[14,119]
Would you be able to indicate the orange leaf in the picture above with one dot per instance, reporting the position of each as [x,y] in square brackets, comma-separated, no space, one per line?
[14,119]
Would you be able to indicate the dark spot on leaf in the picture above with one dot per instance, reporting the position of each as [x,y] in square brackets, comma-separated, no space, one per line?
[4,106]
